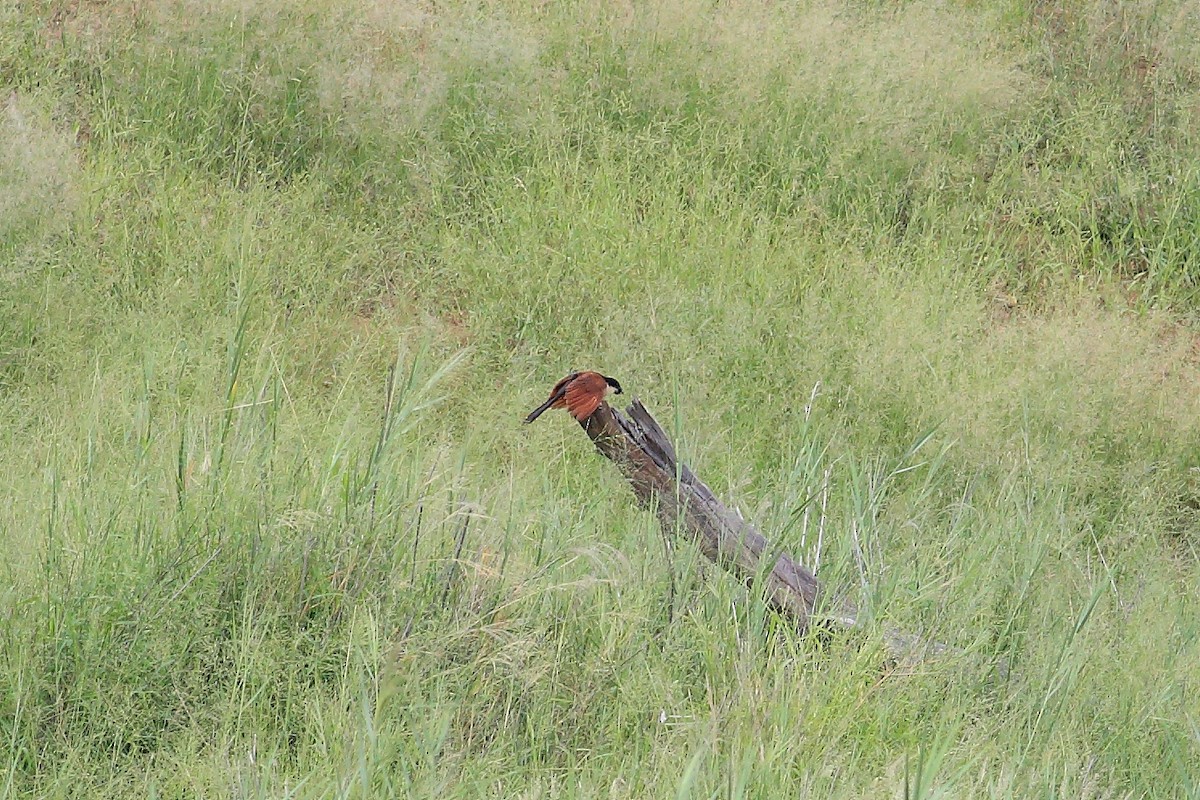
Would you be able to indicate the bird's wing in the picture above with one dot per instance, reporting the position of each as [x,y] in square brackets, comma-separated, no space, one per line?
[584,394]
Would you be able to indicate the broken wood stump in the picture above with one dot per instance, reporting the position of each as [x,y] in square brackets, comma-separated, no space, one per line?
[640,448]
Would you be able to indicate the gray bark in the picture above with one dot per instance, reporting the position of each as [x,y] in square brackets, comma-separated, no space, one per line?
[684,505]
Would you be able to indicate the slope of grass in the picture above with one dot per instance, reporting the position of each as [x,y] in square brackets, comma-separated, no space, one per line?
[913,284]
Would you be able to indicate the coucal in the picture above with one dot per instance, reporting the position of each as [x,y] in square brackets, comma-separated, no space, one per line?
[580,393]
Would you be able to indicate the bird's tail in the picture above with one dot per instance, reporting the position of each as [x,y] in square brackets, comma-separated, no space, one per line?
[537,412]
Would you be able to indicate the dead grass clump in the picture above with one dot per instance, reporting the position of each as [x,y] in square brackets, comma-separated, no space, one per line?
[38,169]
[892,71]
[396,64]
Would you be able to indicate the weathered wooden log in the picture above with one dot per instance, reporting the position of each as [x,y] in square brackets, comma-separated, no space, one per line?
[640,448]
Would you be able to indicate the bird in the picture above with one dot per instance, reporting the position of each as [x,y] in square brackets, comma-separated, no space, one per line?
[580,393]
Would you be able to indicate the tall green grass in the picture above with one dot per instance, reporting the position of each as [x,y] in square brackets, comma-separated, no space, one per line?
[913,285]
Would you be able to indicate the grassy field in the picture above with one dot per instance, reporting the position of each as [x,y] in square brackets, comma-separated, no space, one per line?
[922,276]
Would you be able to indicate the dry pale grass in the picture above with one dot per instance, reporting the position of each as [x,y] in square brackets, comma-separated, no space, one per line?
[893,69]
[1079,374]
[402,60]
[38,169]
[1090,373]
[888,73]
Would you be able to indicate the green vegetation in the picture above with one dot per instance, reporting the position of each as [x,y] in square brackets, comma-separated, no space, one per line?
[280,281]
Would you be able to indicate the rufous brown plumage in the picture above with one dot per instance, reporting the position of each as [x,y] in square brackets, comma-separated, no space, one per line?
[580,393]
